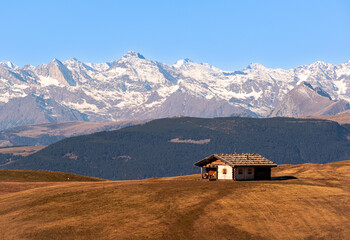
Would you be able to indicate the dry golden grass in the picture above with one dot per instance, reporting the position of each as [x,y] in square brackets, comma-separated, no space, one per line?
[42,176]
[316,205]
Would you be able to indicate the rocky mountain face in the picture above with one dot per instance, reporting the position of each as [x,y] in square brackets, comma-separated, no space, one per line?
[304,100]
[33,109]
[138,88]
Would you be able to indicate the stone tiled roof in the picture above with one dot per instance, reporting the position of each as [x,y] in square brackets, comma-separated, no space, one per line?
[236,160]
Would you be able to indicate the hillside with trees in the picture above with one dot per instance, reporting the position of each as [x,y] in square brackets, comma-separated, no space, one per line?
[169,147]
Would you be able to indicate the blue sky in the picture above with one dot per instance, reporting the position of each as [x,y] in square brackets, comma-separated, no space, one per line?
[226,34]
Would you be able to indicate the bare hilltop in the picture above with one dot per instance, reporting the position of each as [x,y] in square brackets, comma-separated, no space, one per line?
[307,201]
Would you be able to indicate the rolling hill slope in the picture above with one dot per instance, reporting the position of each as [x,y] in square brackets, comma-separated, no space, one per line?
[42,176]
[169,147]
[315,205]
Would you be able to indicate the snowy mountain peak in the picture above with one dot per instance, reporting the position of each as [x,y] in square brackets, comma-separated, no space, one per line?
[73,59]
[320,64]
[187,60]
[135,87]
[110,63]
[28,67]
[182,63]
[56,62]
[255,66]
[54,73]
[8,65]
[132,54]
[346,64]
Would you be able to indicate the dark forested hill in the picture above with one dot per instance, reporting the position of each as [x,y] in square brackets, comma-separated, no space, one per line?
[168,147]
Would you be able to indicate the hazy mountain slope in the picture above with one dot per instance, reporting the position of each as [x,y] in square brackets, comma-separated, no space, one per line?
[180,103]
[48,133]
[20,150]
[341,118]
[134,87]
[150,150]
[304,100]
[35,109]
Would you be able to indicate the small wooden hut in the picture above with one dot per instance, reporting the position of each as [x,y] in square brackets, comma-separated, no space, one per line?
[245,166]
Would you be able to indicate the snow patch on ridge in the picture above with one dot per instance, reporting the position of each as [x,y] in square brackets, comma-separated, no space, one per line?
[167,91]
[243,95]
[47,81]
[7,96]
[82,107]
[341,86]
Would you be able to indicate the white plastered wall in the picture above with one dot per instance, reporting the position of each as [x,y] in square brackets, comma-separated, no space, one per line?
[221,171]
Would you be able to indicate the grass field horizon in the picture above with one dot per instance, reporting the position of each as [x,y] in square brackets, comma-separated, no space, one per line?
[42,176]
[314,205]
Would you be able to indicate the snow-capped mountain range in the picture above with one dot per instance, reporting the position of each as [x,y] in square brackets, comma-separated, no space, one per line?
[137,88]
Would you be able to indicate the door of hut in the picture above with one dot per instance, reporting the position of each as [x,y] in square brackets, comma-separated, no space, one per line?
[244,173]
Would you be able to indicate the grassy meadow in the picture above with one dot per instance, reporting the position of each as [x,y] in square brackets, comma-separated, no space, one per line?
[42,176]
[313,205]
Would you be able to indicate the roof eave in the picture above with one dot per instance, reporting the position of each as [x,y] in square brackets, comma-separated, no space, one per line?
[255,165]
[203,162]
[198,164]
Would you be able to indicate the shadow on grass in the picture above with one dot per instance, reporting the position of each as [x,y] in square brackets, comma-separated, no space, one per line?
[283,178]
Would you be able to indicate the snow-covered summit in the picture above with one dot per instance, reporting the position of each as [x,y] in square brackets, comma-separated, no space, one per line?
[132,54]
[182,63]
[136,87]
[72,60]
[255,66]
[8,65]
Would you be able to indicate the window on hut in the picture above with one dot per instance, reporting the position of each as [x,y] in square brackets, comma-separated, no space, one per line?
[240,171]
[250,171]
[224,171]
